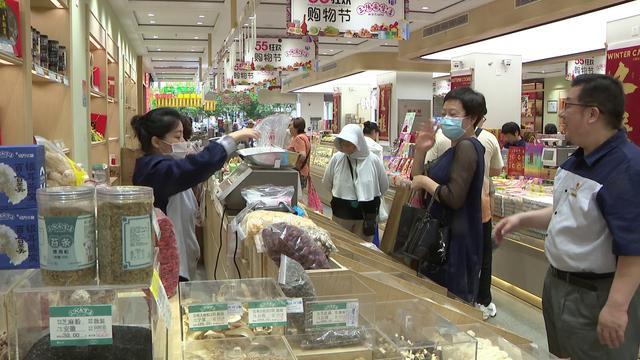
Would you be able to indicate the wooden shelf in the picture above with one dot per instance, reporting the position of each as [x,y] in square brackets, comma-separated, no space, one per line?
[96,143]
[114,139]
[42,75]
[48,4]
[97,94]
[9,59]
[112,100]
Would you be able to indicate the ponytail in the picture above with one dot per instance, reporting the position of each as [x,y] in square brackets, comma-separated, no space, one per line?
[156,123]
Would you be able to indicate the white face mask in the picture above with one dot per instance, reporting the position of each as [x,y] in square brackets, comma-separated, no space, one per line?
[180,150]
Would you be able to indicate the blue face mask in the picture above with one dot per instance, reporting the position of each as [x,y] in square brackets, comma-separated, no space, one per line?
[452,127]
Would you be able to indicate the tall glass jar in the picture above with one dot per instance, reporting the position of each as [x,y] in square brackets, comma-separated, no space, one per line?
[67,235]
[125,234]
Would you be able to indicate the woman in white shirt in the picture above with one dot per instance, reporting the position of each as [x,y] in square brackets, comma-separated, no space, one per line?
[372,136]
[356,178]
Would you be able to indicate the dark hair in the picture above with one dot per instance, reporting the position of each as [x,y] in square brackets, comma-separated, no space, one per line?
[550,129]
[473,102]
[158,122]
[605,93]
[511,128]
[187,127]
[299,125]
[370,127]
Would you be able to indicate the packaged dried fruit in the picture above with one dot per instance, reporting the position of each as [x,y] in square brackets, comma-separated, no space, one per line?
[67,237]
[125,234]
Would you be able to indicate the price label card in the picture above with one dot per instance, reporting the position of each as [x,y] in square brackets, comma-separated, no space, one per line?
[206,317]
[268,313]
[80,325]
[235,309]
[295,306]
[334,314]
[39,70]
[162,300]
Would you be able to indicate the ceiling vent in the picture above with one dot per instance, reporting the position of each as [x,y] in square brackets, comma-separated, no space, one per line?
[520,3]
[442,26]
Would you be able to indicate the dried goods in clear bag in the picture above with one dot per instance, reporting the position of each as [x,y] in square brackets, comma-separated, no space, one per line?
[282,238]
[125,234]
[66,227]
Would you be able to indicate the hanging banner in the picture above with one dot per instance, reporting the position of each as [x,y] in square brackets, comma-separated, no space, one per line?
[590,65]
[276,54]
[462,78]
[374,19]
[337,113]
[623,63]
[384,105]
[257,79]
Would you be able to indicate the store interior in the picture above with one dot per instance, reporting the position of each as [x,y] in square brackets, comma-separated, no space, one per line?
[75,73]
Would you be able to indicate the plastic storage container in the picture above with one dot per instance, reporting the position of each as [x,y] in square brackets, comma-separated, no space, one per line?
[84,323]
[232,308]
[263,347]
[125,234]
[491,346]
[66,227]
[418,331]
[8,279]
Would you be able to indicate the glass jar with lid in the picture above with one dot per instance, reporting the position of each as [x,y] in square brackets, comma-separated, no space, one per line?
[67,236]
[125,234]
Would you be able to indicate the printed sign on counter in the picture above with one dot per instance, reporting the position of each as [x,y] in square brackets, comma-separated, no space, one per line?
[334,314]
[267,313]
[80,325]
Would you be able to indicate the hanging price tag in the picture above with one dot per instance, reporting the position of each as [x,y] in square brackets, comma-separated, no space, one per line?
[295,306]
[334,314]
[268,313]
[206,317]
[80,325]
[162,300]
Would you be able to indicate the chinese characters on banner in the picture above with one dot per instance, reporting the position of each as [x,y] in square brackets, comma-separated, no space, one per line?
[462,78]
[377,19]
[591,65]
[274,54]
[515,161]
[384,112]
[624,65]
[268,79]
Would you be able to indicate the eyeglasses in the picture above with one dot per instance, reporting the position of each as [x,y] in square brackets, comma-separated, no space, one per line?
[567,104]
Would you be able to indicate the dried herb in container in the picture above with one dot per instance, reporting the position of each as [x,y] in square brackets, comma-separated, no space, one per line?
[67,237]
[125,235]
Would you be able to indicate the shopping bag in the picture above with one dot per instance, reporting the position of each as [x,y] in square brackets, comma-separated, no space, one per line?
[313,201]
[412,212]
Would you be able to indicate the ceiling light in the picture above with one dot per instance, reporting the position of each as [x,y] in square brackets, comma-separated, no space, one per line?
[348,42]
[155,36]
[199,23]
[425,8]
[201,16]
[151,15]
[158,49]
[57,4]
[152,21]
[246,24]
[195,37]
[550,40]
[330,50]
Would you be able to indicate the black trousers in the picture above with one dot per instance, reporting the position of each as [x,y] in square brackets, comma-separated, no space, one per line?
[484,290]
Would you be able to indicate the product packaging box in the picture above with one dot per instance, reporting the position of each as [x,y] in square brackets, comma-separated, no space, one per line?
[19,239]
[22,173]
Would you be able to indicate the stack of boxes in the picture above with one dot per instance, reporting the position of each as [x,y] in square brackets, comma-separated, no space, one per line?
[22,173]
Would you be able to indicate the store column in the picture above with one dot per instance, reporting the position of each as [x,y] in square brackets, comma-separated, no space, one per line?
[498,78]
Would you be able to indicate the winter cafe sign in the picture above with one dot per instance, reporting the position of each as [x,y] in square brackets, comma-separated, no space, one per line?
[373,19]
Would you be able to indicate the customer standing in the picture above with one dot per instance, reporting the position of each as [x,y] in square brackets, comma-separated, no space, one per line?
[372,136]
[493,165]
[512,135]
[457,178]
[357,180]
[590,301]
[300,144]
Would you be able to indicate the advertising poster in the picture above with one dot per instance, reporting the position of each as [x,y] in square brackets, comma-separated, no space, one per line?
[533,160]
[515,161]
[623,63]
[590,65]
[384,113]
[373,19]
[462,78]
[277,54]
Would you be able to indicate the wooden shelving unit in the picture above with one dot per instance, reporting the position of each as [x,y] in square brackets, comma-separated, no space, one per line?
[130,105]
[50,93]
[113,109]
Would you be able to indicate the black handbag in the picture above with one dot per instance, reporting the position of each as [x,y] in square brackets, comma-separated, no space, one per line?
[428,239]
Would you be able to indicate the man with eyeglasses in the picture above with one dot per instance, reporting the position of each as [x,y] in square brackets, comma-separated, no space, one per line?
[590,301]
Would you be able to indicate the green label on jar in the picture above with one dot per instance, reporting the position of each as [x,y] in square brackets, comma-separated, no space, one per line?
[67,243]
[137,242]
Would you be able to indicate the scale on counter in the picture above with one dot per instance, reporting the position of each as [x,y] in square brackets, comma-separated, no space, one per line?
[555,152]
[262,166]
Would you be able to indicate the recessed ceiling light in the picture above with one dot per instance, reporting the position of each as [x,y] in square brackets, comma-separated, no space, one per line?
[199,23]
[151,15]
[158,49]
[348,42]
[201,16]
[425,8]
[246,24]
[330,50]
[195,37]
[152,22]
[155,36]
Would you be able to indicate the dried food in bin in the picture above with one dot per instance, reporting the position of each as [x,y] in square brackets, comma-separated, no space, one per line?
[254,222]
[333,338]
[129,342]
[295,283]
[282,238]
[321,237]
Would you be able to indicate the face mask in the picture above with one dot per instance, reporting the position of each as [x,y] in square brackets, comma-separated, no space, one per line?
[452,127]
[180,150]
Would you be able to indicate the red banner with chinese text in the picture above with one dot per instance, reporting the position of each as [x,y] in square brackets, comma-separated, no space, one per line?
[515,161]
[461,78]
[624,65]
[384,110]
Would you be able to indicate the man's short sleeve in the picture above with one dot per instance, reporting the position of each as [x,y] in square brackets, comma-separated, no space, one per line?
[619,202]
[496,156]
